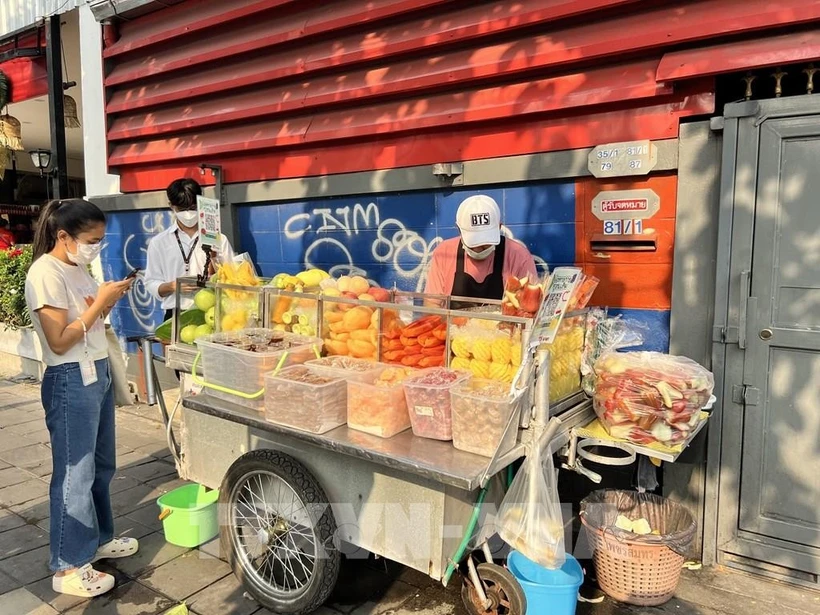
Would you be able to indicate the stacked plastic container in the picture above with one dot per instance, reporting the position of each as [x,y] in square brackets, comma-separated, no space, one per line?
[429,401]
[239,361]
[379,407]
[314,397]
[481,411]
[301,398]
[346,368]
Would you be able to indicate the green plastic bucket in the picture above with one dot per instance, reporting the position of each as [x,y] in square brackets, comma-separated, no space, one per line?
[189,515]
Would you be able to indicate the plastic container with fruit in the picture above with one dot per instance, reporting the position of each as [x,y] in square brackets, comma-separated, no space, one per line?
[379,408]
[349,329]
[429,401]
[295,314]
[418,342]
[649,397]
[566,354]
[346,368]
[481,411]
[236,308]
[486,348]
[239,360]
[301,398]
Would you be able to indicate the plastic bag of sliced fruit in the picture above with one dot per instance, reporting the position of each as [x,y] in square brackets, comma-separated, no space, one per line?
[649,397]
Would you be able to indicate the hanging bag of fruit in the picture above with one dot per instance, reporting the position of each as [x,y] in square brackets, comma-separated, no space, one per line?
[530,519]
[650,397]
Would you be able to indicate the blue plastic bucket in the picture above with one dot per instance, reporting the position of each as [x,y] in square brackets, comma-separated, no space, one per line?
[548,591]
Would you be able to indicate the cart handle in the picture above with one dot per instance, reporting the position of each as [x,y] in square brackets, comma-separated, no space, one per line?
[222,389]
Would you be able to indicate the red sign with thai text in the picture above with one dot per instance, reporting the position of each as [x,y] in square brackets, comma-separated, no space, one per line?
[619,205]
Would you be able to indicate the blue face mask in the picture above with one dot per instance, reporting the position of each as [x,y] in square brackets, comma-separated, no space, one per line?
[479,256]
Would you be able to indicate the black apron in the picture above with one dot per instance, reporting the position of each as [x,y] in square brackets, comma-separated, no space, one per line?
[465,286]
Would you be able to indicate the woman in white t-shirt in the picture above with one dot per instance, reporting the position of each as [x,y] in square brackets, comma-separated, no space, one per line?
[67,310]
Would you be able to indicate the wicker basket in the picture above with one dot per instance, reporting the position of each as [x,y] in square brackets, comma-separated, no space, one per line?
[642,570]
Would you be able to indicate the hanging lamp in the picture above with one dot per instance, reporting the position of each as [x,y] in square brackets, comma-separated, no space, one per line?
[70,112]
[71,118]
[11,133]
[10,128]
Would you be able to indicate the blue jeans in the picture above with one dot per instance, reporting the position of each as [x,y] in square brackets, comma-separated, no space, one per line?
[80,420]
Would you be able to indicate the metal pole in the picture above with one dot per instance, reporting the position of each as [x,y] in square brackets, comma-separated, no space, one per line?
[54,61]
[542,390]
[148,366]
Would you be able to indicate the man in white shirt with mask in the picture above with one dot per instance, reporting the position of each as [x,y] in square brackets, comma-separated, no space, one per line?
[176,252]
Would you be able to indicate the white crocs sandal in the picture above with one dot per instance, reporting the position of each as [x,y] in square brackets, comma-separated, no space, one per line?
[84,582]
[117,548]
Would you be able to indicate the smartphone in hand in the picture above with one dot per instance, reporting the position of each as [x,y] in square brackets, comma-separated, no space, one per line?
[133,274]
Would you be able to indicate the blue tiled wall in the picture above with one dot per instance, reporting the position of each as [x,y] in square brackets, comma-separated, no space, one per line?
[127,235]
[390,238]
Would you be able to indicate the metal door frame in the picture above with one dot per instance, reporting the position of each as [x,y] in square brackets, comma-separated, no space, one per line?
[724,542]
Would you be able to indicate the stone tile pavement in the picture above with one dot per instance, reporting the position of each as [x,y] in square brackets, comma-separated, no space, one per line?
[162,575]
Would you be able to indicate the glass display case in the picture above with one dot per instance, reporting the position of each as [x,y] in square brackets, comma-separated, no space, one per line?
[410,330]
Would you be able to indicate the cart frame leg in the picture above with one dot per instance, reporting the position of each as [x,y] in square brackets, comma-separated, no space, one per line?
[476,581]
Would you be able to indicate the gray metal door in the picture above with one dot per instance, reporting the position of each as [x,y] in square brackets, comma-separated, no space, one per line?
[770,471]
[780,480]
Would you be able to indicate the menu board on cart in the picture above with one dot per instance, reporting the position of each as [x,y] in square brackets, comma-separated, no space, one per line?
[549,316]
[210,221]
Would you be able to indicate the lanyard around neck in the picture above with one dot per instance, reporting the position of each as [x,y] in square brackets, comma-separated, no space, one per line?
[186,258]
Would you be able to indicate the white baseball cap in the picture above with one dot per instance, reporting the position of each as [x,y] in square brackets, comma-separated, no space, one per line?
[479,220]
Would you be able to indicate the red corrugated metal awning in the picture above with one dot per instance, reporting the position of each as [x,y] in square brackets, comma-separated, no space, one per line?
[26,65]
[745,55]
[292,88]
[28,77]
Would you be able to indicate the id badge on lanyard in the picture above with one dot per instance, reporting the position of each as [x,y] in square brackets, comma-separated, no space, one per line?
[88,368]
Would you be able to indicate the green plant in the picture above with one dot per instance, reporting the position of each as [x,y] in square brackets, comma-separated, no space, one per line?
[14,264]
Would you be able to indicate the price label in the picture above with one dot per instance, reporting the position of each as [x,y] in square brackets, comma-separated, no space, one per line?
[623,227]
[562,284]
[622,159]
[210,221]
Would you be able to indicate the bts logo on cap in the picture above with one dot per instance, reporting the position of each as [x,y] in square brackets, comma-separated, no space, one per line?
[480,219]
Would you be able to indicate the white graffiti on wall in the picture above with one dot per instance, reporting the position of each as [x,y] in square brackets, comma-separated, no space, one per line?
[143,305]
[408,252]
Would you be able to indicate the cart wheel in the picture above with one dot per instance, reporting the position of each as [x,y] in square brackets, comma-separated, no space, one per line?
[505,594]
[278,530]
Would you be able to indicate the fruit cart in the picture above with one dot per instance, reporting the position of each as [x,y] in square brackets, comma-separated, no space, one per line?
[294,499]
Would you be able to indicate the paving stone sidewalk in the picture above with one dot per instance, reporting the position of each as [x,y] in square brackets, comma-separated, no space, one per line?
[161,575]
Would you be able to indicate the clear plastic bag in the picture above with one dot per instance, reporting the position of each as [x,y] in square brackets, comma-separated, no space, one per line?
[530,519]
[605,334]
[649,397]
[583,292]
[523,297]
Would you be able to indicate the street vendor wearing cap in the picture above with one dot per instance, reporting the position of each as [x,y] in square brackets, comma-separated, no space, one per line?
[478,262]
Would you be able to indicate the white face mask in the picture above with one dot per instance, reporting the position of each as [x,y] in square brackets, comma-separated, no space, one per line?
[479,256]
[187,218]
[86,253]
